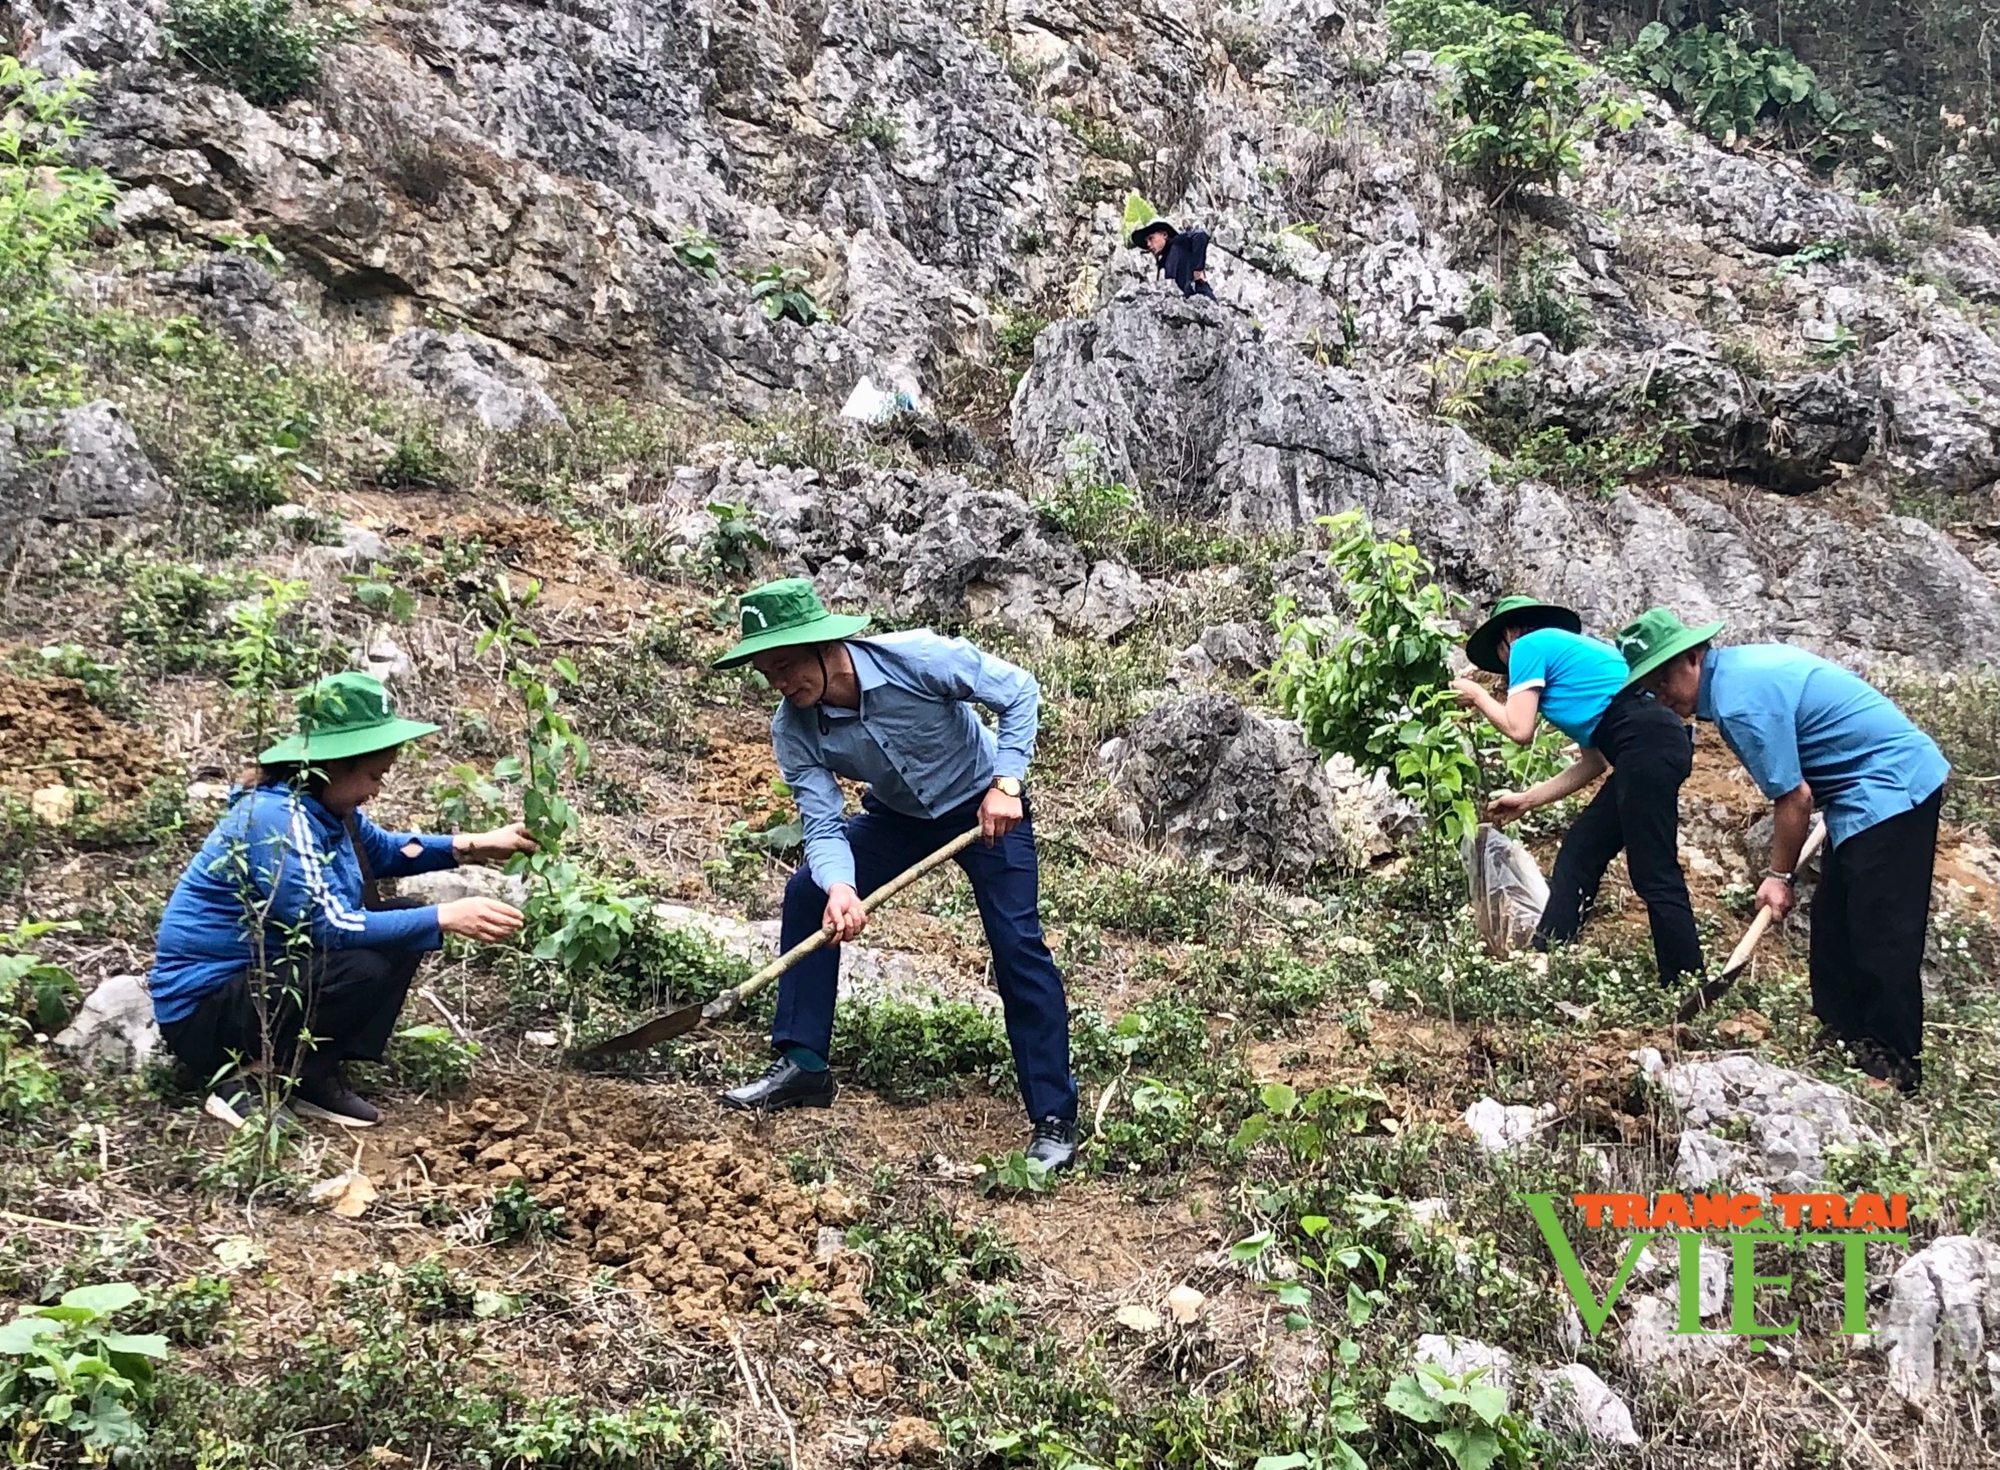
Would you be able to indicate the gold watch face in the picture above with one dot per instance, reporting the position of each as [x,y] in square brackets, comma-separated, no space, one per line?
[1007,785]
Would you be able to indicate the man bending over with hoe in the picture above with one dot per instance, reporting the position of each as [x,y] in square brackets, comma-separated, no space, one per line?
[1575,683]
[1810,733]
[896,712]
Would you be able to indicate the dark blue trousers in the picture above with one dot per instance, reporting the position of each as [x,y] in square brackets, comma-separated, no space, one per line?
[1005,882]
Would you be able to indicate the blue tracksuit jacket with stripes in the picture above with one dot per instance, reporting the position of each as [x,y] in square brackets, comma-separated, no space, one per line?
[279,854]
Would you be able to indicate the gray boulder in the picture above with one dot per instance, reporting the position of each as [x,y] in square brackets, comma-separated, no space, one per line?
[1229,650]
[1227,787]
[79,464]
[1944,1308]
[239,298]
[114,1027]
[1788,1120]
[932,545]
[474,376]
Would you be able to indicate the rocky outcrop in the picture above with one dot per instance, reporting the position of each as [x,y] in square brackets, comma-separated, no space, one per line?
[239,298]
[1787,1121]
[114,1027]
[472,378]
[1944,1308]
[1228,787]
[926,546]
[74,465]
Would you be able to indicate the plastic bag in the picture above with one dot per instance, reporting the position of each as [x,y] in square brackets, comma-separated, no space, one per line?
[869,404]
[1508,889]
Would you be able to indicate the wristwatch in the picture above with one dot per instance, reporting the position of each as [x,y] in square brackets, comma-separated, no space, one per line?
[1007,785]
[1790,880]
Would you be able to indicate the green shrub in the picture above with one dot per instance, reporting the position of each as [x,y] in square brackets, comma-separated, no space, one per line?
[72,1385]
[696,252]
[910,1052]
[418,462]
[48,209]
[432,1059]
[1537,302]
[1732,87]
[518,1216]
[1516,90]
[781,291]
[933,1254]
[1961,712]
[267,50]
[1598,462]
[35,998]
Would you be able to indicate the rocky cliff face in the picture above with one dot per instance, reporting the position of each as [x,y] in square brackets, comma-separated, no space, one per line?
[1810,364]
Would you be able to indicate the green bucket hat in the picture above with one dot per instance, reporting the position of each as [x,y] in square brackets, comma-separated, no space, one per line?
[1656,636]
[784,613]
[1483,647]
[1141,219]
[343,715]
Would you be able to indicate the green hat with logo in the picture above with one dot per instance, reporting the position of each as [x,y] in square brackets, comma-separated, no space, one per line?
[1657,636]
[343,715]
[1525,613]
[782,614]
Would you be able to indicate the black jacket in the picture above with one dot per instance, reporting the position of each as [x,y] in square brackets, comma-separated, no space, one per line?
[1187,253]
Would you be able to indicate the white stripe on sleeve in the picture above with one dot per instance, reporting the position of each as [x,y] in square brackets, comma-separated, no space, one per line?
[313,865]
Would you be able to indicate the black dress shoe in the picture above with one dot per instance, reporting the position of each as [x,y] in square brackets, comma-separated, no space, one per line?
[1053,1144]
[785,1085]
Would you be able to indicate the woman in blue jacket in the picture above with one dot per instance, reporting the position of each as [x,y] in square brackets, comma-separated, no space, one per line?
[268,937]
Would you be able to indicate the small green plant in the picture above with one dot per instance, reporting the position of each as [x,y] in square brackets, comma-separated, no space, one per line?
[880,129]
[1376,689]
[516,1215]
[1819,252]
[35,999]
[263,658]
[738,538]
[48,211]
[911,1052]
[1303,1128]
[268,50]
[1537,301]
[432,1059]
[466,801]
[1013,1173]
[418,462]
[70,1381]
[697,252]
[1016,337]
[1461,379]
[930,1255]
[1465,1417]
[781,291]
[1601,463]
[383,599]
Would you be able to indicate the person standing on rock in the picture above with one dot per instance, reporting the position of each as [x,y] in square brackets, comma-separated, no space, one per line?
[268,940]
[1182,255]
[1812,734]
[1578,685]
[896,712]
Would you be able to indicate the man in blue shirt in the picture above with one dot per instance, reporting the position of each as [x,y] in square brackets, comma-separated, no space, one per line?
[1182,255]
[1812,734]
[896,712]
[1578,685]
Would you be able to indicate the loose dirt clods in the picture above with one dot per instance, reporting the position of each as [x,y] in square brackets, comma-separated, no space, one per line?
[708,1229]
[49,732]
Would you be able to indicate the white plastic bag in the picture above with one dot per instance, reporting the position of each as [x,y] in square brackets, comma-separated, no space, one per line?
[869,404]
[1508,890]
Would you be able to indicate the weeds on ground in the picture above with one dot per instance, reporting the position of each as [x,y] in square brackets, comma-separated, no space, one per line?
[909,1052]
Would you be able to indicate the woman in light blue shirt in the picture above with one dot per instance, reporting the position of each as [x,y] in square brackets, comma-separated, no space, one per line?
[1576,683]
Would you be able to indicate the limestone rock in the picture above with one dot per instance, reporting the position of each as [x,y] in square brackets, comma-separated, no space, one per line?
[1501,1129]
[473,376]
[1226,786]
[72,465]
[238,297]
[1231,650]
[115,1026]
[1648,1337]
[1575,1395]
[470,881]
[1792,1119]
[1944,1308]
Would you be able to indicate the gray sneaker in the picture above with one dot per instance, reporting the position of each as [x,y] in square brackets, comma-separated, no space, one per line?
[331,1100]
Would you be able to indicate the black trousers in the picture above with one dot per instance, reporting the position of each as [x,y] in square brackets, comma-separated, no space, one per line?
[347,1000]
[1869,916]
[1637,809]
